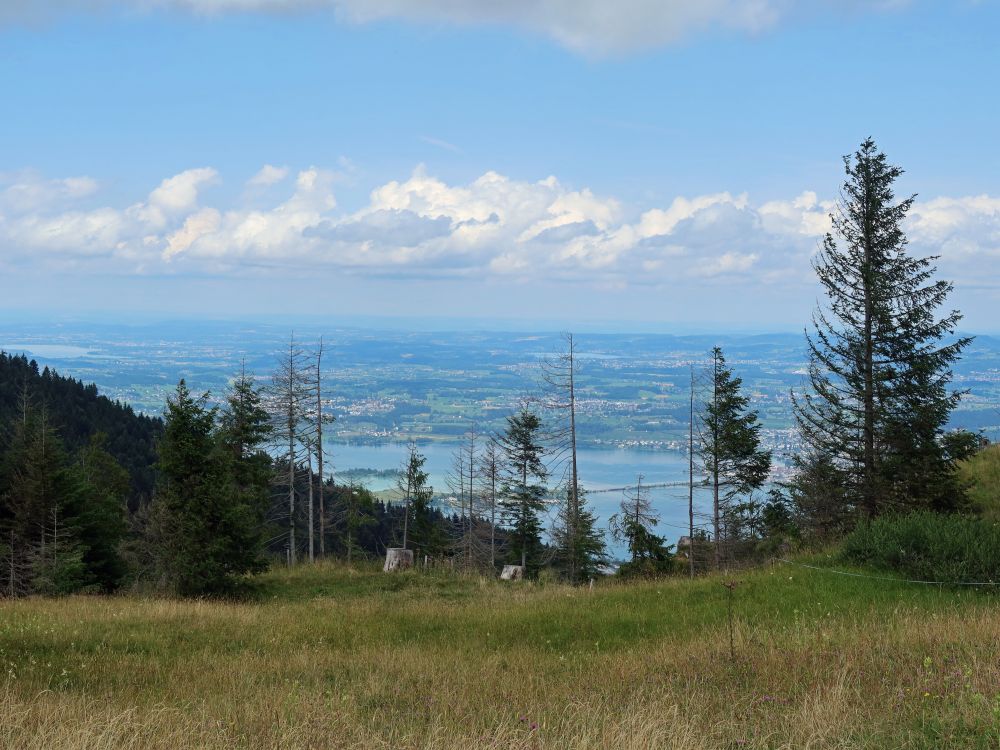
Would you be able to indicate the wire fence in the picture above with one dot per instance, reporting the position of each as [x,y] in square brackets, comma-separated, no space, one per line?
[851,574]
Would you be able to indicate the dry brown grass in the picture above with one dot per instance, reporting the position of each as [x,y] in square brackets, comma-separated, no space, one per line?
[820,664]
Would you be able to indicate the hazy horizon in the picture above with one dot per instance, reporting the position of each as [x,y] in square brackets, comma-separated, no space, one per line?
[416,324]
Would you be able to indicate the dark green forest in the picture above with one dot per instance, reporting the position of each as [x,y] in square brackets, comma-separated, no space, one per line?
[94,496]
[77,412]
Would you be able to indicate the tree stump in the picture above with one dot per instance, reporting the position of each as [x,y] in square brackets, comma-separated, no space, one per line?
[397,558]
[512,573]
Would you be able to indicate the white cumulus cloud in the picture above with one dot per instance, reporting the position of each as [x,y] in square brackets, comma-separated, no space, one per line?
[423,226]
[28,191]
[268,175]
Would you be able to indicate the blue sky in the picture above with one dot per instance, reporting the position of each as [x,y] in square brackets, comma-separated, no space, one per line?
[644,160]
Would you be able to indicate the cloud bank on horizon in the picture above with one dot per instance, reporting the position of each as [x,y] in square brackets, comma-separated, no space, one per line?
[423,227]
[594,27]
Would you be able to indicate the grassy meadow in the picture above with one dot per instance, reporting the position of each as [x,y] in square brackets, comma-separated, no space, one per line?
[335,657]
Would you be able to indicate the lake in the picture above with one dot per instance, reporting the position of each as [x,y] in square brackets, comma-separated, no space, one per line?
[47,351]
[600,469]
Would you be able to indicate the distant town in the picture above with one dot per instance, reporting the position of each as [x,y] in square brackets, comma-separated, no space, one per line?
[396,386]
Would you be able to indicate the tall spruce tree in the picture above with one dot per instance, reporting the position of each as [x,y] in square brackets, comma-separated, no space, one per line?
[579,545]
[355,513]
[819,497]
[40,499]
[729,444]
[419,531]
[522,490]
[211,493]
[100,512]
[880,354]
[26,492]
[242,434]
[191,490]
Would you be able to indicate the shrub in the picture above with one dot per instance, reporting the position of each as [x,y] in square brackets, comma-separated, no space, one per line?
[980,474]
[928,546]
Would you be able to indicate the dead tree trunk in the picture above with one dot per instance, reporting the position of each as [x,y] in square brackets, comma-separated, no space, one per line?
[575,488]
[288,391]
[312,536]
[397,558]
[716,521]
[319,447]
[691,480]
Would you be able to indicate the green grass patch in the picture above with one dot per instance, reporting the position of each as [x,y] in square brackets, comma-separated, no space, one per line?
[331,656]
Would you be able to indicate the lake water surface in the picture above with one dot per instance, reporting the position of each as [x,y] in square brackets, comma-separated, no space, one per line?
[47,351]
[600,469]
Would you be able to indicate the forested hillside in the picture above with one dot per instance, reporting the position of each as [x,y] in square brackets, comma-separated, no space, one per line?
[77,412]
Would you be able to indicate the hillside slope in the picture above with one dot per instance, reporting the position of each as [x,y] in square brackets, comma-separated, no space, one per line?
[78,411]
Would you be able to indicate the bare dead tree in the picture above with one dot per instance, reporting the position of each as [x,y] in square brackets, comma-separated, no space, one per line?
[490,475]
[471,456]
[11,567]
[456,484]
[319,446]
[462,481]
[319,418]
[288,403]
[691,478]
[296,402]
[17,567]
[310,504]
[559,374]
